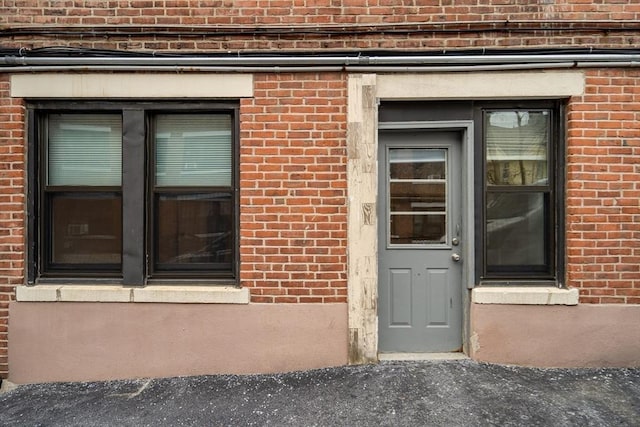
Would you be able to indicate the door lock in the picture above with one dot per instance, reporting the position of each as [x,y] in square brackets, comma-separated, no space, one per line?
[455,257]
[455,241]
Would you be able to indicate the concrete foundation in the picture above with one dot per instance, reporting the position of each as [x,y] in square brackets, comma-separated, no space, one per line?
[556,336]
[102,341]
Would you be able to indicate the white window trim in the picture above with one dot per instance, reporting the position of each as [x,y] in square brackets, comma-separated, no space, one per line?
[481,85]
[131,85]
[154,293]
[526,295]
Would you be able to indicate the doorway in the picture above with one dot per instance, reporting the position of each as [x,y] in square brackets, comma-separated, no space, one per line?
[421,244]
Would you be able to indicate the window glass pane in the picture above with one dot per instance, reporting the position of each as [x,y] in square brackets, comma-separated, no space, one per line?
[413,197]
[517,231]
[194,229]
[84,149]
[517,147]
[86,229]
[193,150]
[417,229]
[417,196]
[417,163]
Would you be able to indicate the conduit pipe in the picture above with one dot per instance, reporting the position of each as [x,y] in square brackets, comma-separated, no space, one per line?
[316,69]
[169,69]
[293,61]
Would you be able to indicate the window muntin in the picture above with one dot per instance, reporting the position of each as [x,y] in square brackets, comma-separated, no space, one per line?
[89,191]
[518,208]
[417,196]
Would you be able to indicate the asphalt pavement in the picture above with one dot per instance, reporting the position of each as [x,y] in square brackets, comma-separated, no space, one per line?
[417,393]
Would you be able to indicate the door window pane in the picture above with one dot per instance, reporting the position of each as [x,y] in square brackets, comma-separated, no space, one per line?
[84,149]
[86,229]
[517,147]
[194,229]
[193,150]
[417,163]
[516,225]
[417,196]
[417,229]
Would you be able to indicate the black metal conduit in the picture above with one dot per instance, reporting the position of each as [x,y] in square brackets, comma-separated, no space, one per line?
[323,61]
[56,58]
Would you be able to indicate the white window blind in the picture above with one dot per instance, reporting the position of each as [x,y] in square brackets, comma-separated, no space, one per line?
[84,150]
[517,144]
[193,150]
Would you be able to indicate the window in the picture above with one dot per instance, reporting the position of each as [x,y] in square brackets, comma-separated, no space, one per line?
[521,195]
[133,192]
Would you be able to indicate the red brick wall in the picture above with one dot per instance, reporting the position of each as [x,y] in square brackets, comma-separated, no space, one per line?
[228,24]
[603,188]
[288,12]
[12,216]
[293,189]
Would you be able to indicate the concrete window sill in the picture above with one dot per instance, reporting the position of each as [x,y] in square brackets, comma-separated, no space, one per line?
[152,294]
[524,296]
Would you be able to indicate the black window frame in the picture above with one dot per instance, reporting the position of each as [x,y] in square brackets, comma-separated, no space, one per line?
[136,188]
[553,190]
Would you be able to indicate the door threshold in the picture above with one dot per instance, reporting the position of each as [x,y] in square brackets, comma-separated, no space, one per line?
[421,356]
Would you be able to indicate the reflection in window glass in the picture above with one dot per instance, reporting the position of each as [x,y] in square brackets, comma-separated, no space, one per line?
[516,147]
[414,197]
[86,229]
[417,229]
[515,225]
[194,229]
[416,163]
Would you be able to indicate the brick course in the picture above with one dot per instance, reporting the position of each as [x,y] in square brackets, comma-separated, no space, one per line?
[603,190]
[12,197]
[293,188]
[319,24]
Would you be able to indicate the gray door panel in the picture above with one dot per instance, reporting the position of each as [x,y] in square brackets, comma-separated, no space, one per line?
[420,285]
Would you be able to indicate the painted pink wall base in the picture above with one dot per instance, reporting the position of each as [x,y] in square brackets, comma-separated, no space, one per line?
[556,336]
[103,341]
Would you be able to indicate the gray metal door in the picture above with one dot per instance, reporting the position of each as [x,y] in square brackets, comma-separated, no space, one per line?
[420,270]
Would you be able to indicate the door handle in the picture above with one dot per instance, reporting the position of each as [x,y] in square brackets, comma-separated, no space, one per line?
[455,257]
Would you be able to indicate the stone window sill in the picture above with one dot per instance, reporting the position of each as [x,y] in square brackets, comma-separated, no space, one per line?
[524,296]
[152,294]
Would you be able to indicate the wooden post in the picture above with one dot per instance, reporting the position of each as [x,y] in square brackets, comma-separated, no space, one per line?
[362,223]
